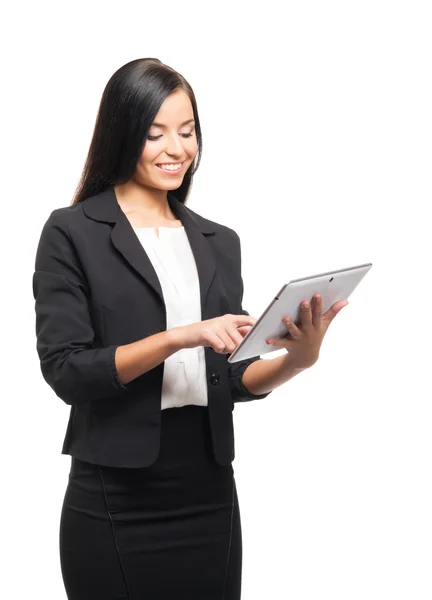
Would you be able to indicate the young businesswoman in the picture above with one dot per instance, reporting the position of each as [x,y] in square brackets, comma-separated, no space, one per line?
[138,305]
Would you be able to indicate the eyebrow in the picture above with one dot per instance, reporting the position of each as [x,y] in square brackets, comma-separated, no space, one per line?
[164,126]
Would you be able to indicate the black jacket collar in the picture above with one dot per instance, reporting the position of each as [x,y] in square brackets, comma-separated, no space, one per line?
[104,207]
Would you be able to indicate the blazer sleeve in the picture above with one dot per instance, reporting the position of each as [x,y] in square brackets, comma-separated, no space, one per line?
[235,370]
[77,371]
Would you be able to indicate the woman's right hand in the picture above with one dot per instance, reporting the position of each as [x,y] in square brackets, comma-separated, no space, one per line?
[223,334]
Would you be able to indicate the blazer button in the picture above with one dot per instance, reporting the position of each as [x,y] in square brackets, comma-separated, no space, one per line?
[214,379]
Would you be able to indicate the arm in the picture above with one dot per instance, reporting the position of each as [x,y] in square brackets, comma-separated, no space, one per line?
[76,370]
[132,360]
[266,375]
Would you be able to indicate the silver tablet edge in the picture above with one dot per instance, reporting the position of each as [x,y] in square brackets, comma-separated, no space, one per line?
[333,272]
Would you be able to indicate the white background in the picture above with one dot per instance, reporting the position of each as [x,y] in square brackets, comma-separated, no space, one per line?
[317,130]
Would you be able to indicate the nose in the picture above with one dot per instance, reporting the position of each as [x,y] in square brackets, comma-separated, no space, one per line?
[174,146]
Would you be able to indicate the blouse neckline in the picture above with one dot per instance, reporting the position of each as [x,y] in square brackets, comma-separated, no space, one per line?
[160,227]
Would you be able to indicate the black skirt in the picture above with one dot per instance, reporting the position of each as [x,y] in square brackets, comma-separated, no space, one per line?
[168,531]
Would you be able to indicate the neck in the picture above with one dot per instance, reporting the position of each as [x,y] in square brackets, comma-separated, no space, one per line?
[151,203]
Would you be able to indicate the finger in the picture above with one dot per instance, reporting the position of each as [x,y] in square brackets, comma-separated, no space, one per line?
[220,343]
[229,340]
[317,311]
[244,330]
[284,342]
[292,328]
[305,315]
[243,320]
[335,309]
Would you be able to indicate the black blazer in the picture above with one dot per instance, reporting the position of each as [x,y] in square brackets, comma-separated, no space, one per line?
[95,289]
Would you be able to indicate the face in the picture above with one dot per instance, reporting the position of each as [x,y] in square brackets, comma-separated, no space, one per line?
[171,139]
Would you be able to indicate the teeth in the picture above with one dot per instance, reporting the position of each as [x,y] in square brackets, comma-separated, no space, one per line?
[170,167]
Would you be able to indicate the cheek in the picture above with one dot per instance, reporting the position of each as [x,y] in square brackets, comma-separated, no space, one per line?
[147,159]
[193,148]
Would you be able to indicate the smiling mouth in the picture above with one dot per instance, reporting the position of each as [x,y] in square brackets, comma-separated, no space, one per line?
[170,167]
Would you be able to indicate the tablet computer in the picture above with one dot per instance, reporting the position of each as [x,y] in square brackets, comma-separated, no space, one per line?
[332,286]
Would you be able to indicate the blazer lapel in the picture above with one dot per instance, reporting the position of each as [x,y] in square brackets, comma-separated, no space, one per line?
[104,207]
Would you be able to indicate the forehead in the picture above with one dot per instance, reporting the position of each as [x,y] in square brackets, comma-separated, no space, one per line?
[175,110]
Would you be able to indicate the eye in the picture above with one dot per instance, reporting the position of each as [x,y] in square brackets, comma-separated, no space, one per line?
[156,137]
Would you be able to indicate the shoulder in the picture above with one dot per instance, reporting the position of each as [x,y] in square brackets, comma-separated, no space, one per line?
[64,217]
[73,218]
[57,234]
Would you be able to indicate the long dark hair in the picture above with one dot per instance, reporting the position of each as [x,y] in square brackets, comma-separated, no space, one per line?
[128,107]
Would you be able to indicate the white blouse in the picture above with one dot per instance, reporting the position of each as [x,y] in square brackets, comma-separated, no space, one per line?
[184,378]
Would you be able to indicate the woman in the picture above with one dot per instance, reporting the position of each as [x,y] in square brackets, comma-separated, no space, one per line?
[138,306]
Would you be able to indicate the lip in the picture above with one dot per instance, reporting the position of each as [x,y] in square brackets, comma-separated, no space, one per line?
[169,172]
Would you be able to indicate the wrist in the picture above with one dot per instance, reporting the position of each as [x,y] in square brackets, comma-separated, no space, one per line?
[175,338]
[298,363]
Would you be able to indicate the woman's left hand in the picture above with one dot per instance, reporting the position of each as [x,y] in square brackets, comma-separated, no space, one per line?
[304,342]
